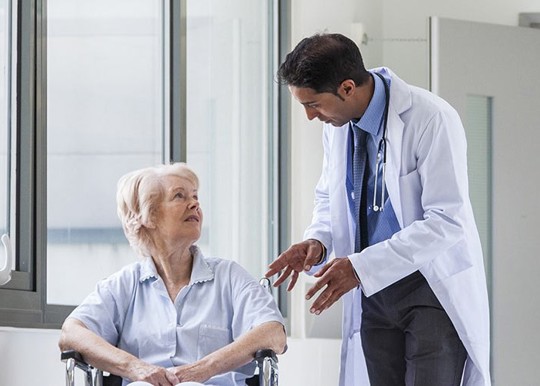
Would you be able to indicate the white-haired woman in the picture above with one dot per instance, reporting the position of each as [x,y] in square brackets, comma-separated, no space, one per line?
[175,316]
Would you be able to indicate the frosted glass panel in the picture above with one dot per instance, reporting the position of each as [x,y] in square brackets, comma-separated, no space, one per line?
[228,132]
[479,154]
[5,71]
[104,118]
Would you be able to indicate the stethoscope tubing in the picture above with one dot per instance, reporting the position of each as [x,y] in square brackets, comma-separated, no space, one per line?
[382,150]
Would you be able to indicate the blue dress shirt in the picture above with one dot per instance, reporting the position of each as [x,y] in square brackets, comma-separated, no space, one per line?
[133,311]
[381,225]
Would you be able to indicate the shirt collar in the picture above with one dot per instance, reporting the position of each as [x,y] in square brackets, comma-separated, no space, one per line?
[200,272]
[372,117]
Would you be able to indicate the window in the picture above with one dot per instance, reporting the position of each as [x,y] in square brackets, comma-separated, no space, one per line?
[229,126]
[104,87]
[5,114]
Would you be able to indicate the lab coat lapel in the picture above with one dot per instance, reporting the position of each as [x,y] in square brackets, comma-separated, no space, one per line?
[343,233]
[400,101]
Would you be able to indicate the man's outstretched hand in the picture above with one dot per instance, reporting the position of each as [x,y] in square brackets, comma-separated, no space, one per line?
[336,278]
[299,257]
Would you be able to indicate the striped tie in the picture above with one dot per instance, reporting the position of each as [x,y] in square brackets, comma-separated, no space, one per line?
[359,167]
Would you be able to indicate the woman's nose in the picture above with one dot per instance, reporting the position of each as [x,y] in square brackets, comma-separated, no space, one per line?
[194,203]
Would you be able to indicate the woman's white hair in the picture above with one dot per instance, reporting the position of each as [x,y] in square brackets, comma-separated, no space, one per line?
[138,195]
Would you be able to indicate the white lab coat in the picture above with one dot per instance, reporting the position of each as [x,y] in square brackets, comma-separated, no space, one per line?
[426,179]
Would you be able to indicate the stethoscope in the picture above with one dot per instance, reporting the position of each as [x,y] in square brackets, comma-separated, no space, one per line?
[381,153]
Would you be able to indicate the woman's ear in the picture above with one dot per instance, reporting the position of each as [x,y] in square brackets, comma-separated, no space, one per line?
[148,223]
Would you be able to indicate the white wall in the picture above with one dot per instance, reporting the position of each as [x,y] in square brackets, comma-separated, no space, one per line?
[30,357]
[404,26]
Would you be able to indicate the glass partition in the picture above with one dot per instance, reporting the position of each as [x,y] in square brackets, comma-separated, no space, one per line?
[5,114]
[478,124]
[229,133]
[104,118]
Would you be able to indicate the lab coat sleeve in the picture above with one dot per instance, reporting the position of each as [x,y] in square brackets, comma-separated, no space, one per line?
[436,214]
[320,228]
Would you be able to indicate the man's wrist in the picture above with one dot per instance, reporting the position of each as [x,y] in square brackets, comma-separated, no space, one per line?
[354,272]
[323,253]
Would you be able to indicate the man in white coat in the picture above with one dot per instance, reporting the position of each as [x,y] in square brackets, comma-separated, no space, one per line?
[392,205]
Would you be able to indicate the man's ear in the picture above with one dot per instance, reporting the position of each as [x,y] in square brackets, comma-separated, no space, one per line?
[346,88]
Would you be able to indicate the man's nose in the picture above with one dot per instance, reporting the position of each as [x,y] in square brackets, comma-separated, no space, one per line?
[311,113]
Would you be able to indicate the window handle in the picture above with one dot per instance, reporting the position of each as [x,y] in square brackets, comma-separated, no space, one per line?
[5,272]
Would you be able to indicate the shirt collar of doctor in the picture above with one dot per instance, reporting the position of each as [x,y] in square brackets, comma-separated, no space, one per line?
[372,117]
[200,272]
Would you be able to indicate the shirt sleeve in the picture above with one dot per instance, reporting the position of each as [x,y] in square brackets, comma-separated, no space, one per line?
[101,311]
[253,305]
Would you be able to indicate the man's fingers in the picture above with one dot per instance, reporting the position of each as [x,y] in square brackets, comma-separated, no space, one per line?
[284,275]
[325,300]
[275,266]
[323,270]
[292,283]
[339,278]
[316,287]
[313,254]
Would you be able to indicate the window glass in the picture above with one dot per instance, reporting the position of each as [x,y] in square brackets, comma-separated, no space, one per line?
[479,118]
[228,125]
[104,118]
[5,114]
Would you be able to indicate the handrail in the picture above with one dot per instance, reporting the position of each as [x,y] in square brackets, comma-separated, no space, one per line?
[5,271]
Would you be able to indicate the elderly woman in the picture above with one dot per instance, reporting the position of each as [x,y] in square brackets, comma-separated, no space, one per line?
[175,316]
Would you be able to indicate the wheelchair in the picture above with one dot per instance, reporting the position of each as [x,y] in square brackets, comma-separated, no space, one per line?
[265,375]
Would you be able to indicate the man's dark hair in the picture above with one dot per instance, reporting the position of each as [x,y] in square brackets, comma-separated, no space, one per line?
[322,62]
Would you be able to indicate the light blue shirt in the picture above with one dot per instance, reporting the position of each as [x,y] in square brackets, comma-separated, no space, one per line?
[381,225]
[132,310]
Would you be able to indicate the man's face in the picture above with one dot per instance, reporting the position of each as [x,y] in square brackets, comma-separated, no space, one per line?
[328,107]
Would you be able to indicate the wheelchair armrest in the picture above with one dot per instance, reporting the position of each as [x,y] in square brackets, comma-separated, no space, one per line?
[266,353]
[72,354]
[93,376]
[77,359]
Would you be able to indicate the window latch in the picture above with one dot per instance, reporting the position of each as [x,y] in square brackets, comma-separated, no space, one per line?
[5,271]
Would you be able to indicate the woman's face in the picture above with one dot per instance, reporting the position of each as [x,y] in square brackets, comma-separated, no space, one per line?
[179,217]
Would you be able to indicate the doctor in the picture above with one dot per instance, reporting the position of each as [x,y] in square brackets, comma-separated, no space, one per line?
[392,205]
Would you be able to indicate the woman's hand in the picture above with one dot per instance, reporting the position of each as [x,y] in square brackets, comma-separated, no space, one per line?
[158,376]
[102,355]
[194,372]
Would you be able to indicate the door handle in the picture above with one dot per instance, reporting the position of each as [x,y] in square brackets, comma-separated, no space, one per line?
[5,271]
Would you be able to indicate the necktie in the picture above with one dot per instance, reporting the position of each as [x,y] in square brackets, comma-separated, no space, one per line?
[360,196]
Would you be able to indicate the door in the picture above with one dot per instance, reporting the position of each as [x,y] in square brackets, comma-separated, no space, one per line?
[489,73]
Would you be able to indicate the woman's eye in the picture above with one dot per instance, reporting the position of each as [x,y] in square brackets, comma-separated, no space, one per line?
[179,195]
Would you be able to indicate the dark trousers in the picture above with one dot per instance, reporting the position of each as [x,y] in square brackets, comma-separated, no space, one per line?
[408,339]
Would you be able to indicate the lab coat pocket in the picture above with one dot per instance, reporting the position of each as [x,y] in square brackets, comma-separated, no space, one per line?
[448,264]
[410,187]
[212,338]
